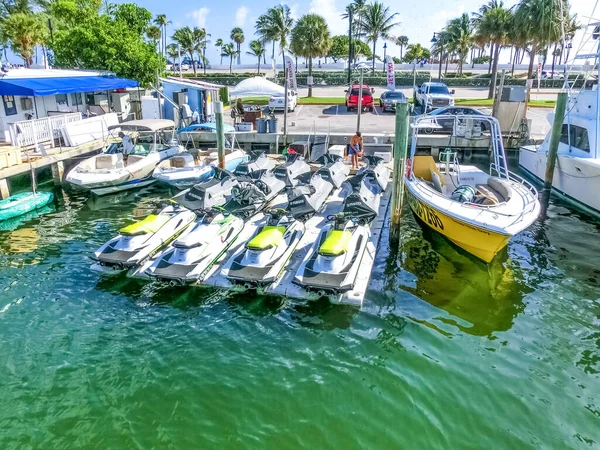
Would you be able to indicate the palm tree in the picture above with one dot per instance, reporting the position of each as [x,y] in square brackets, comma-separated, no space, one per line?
[257,50]
[162,22]
[276,25]
[23,31]
[416,52]
[310,39]
[263,31]
[230,52]
[200,43]
[401,41]
[495,25]
[219,43]
[153,33]
[460,38]
[237,36]
[185,38]
[477,18]
[172,52]
[376,22]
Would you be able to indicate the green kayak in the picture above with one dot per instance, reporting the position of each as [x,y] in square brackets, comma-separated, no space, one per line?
[22,203]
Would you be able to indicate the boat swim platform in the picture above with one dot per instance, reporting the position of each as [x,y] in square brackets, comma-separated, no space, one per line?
[54,158]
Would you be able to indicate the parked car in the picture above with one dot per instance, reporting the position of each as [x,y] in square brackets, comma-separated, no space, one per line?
[550,75]
[388,100]
[352,97]
[430,96]
[184,67]
[447,123]
[277,101]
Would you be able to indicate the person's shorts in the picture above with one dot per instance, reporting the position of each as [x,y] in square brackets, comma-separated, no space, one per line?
[351,151]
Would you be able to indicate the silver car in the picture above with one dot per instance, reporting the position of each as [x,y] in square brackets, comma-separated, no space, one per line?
[388,100]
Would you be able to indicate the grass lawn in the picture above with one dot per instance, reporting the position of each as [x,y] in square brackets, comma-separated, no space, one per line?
[341,101]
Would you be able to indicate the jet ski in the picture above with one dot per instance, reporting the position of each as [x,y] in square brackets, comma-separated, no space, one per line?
[197,249]
[140,240]
[377,171]
[183,171]
[213,192]
[289,171]
[261,260]
[306,199]
[251,195]
[334,170]
[332,264]
[257,164]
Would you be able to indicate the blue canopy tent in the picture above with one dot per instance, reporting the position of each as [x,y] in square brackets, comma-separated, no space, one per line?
[37,87]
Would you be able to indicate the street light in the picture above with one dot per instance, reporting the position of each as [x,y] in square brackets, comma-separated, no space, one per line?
[384,54]
[434,39]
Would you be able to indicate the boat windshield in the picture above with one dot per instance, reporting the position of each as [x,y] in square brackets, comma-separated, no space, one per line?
[144,143]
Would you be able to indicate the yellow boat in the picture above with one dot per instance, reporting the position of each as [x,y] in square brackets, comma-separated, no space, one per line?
[477,211]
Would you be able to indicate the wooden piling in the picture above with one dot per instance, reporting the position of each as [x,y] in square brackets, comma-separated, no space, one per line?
[559,117]
[400,148]
[58,170]
[220,133]
[4,189]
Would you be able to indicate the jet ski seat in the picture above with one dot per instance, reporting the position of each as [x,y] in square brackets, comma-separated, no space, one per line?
[336,243]
[150,224]
[269,237]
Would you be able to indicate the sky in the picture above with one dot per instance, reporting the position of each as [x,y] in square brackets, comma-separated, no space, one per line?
[418,20]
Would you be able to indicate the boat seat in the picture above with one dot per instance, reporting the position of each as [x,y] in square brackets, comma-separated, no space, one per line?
[150,224]
[437,181]
[177,162]
[488,195]
[336,243]
[501,187]
[270,236]
[108,161]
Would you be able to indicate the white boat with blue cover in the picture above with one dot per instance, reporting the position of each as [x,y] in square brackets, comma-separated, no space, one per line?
[112,171]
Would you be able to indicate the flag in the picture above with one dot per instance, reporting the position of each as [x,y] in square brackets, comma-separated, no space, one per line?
[390,73]
[291,74]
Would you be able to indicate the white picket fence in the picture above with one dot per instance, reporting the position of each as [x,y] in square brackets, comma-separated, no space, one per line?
[33,132]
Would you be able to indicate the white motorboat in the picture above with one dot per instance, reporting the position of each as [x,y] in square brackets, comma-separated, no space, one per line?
[183,170]
[477,211]
[113,171]
[577,171]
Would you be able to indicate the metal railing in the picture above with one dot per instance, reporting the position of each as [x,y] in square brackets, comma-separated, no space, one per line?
[28,133]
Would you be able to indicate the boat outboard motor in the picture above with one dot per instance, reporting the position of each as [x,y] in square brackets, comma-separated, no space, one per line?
[293,167]
[363,203]
[378,170]
[214,192]
[335,172]
[305,200]
[258,161]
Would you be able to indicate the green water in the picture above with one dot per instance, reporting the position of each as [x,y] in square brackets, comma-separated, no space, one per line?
[446,353]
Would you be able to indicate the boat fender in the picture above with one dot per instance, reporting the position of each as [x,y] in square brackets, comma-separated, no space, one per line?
[408,167]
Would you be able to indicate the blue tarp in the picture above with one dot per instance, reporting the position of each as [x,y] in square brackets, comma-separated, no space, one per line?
[207,126]
[37,87]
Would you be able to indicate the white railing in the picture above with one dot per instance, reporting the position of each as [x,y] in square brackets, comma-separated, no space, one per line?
[33,132]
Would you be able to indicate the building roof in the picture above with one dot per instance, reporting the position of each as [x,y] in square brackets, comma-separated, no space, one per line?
[145,125]
[192,83]
[41,82]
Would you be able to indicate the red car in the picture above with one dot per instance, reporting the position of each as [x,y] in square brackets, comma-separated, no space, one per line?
[352,97]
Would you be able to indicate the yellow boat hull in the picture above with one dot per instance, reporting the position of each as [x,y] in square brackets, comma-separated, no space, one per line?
[482,243]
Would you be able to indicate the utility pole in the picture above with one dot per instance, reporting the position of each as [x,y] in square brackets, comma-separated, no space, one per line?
[220,133]
[400,148]
[360,85]
[441,57]
[350,45]
[285,105]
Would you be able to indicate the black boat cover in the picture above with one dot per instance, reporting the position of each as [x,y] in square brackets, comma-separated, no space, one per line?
[208,194]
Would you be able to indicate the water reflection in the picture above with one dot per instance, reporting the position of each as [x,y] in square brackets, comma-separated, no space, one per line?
[321,314]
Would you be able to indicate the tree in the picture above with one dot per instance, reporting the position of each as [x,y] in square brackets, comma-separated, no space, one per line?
[23,31]
[237,36]
[276,25]
[257,49]
[494,25]
[310,39]
[340,48]
[460,37]
[376,22]
[172,52]
[113,41]
[416,52]
[230,52]
[200,42]
[185,38]
[162,22]
[401,41]
[153,33]
[219,43]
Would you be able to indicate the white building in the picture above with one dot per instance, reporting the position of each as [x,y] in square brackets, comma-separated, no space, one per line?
[29,94]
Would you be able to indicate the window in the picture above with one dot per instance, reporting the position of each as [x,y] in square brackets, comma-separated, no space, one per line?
[579,137]
[76,99]
[439,90]
[61,99]
[10,107]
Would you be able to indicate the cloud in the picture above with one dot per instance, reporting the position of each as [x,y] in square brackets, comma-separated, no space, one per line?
[199,16]
[332,15]
[294,11]
[240,16]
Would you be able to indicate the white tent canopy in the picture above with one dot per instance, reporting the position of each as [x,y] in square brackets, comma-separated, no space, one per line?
[256,87]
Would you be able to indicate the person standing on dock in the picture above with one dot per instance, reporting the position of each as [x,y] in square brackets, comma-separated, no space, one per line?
[355,149]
